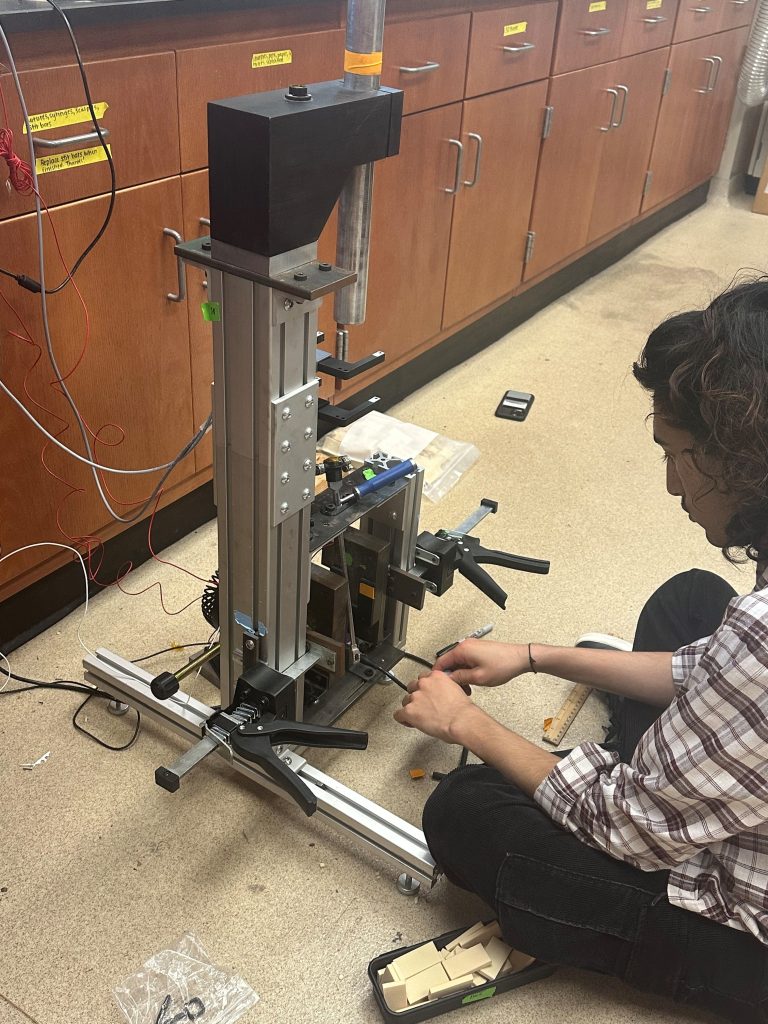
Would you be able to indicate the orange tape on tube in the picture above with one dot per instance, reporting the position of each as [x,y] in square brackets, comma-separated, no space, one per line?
[363,63]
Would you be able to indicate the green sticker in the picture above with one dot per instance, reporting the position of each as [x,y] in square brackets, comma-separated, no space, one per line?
[473,997]
[211,312]
[368,474]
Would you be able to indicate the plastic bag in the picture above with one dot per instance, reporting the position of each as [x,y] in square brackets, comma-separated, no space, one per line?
[186,975]
[381,437]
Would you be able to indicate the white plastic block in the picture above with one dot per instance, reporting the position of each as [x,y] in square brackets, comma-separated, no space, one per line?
[498,951]
[394,995]
[516,961]
[417,987]
[466,962]
[465,981]
[417,960]
[464,935]
[483,935]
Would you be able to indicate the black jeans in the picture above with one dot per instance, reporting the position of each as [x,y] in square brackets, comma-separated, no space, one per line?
[566,903]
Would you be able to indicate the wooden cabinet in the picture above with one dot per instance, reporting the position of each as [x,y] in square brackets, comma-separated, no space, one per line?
[694,114]
[412,209]
[510,46]
[136,98]
[427,59]
[134,373]
[501,134]
[234,69]
[649,24]
[627,146]
[589,33]
[736,13]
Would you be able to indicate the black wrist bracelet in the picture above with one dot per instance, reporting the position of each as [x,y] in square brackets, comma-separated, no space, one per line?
[531,660]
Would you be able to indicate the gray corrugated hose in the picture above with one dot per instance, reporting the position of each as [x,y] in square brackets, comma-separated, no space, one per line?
[753,80]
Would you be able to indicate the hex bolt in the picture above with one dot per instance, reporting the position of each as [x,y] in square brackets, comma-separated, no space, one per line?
[307,465]
[285,446]
[299,276]
[284,507]
[394,516]
[287,303]
[306,494]
[285,478]
[286,414]
[309,402]
[308,433]
[325,267]
[250,643]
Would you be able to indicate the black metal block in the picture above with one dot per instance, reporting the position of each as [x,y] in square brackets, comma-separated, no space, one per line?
[277,166]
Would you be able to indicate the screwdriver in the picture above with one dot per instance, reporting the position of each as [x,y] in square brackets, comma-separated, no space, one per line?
[474,635]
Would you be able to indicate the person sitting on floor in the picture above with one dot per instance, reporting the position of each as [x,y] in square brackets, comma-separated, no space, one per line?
[649,861]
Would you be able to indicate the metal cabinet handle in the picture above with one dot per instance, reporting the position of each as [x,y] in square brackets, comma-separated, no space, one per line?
[182,292]
[431,65]
[711,61]
[478,154]
[615,95]
[702,10]
[741,3]
[519,49]
[205,221]
[72,140]
[459,164]
[594,31]
[718,64]
[624,90]
[660,17]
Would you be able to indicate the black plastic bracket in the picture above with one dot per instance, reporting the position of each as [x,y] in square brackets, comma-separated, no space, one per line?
[341,369]
[331,416]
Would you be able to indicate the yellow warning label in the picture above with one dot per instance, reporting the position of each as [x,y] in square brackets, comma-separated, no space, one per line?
[74,158]
[653,5]
[599,5]
[58,118]
[367,590]
[272,59]
[513,30]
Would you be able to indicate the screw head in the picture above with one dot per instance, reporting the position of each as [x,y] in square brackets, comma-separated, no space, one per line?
[284,478]
[306,494]
[325,267]
[285,446]
[307,465]
[250,643]
[308,433]
[394,515]
[309,402]
[299,276]
[286,413]
[287,303]
[284,507]
[241,728]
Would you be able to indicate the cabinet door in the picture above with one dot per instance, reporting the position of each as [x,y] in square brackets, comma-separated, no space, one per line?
[569,165]
[410,234]
[694,114]
[493,208]
[195,198]
[135,372]
[627,146]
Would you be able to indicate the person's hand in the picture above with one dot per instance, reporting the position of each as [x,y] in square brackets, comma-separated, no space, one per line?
[435,705]
[484,662]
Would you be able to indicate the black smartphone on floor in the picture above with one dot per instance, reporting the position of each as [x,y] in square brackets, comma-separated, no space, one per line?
[514,405]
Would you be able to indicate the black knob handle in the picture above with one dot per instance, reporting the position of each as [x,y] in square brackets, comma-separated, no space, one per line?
[164,685]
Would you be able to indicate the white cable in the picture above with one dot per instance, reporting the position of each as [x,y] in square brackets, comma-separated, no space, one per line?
[65,547]
[49,344]
[7,670]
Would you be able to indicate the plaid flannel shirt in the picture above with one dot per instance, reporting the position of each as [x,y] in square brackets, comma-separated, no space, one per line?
[694,798]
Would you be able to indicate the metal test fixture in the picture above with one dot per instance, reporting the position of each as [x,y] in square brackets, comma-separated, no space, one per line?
[292,630]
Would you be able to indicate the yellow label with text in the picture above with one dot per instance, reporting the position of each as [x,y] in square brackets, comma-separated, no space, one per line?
[58,118]
[653,5]
[513,30]
[68,161]
[599,5]
[272,59]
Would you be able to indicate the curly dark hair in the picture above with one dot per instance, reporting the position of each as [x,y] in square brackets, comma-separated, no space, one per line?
[707,371]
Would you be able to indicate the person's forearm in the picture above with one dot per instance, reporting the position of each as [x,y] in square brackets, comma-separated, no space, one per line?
[642,675]
[523,763]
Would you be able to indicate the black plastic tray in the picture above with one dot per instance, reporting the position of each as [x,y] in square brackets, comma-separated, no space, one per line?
[456,1000]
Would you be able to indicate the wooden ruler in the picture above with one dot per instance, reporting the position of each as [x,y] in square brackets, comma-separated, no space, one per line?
[555,728]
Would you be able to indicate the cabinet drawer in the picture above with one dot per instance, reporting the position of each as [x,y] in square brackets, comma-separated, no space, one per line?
[235,69]
[649,25]
[427,59]
[510,46]
[736,13]
[143,133]
[697,18]
[589,33]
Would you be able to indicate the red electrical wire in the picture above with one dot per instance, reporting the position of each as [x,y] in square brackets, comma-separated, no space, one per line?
[19,171]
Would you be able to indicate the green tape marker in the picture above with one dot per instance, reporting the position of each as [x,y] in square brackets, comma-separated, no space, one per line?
[368,474]
[473,997]
[211,312]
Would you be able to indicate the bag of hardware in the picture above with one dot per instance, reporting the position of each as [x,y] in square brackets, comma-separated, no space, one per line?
[378,438]
[181,984]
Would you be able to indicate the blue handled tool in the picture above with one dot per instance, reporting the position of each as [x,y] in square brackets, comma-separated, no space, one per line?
[381,480]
